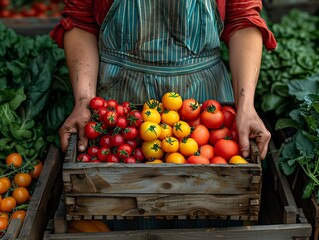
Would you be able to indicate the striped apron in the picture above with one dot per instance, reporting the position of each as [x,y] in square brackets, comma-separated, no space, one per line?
[150,47]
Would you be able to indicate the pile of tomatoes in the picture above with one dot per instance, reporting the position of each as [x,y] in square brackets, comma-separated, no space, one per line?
[170,130]
[16,187]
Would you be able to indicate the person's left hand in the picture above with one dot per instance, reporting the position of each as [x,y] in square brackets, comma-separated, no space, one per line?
[250,126]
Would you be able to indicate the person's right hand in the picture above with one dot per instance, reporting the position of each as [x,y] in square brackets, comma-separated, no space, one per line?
[75,124]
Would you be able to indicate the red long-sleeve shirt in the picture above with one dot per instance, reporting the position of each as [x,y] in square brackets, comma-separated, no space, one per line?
[89,14]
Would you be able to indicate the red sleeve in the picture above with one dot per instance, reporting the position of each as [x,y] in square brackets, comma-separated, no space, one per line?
[240,14]
[84,14]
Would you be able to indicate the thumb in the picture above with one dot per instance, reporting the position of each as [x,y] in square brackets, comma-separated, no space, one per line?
[82,141]
[244,143]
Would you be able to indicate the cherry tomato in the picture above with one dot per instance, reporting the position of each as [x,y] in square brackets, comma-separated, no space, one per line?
[83,157]
[138,154]
[21,195]
[132,142]
[134,118]
[103,153]
[117,140]
[37,169]
[129,160]
[97,103]
[3,224]
[5,184]
[92,151]
[22,179]
[124,150]
[207,151]
[112,158]
[105,141]
[130,132]
[110,118]
[20,214]
[93,130]
[121,122]
[190,109]
[112,104]
[120,110]
[8,204]
[15,159]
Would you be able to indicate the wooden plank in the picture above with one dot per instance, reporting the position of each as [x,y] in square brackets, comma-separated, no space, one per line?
[13,229]
[266,232]
[162,205]
[38,210]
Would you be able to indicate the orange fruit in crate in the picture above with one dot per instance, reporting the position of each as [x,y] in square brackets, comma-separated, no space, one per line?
[170,144]
[175,157]
[150,131]
[237,159]
[154,104]
[188,147]
[170,117]
[172,101]
[166,130]
[181,129]
[151,115]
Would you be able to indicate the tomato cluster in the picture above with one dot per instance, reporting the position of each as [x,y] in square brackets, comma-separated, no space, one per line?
[170,130]
[16,186]
[113,132]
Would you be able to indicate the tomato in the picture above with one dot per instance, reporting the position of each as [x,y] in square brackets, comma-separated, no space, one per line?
[22,179]
[166,131]
[8,204]
[3,224]
[194,122]
[211,103]
[21,195]
[92,151]
[97,103]
[170,117]
[170,144]
[93,130]
[117,140]
[156,161]
[124,150]
[121,122]
[120,110]
[40,7]
[234,135]
[3,214]
[188,146]
[105,141]
[112,104]
[103,153]
[226,148]
[152,149]
[150,131]
[127,107]
[98,114]
[229,108]
[83,157]
[130,132]
[154,104]
[138,154]
[201,134]
[218,160]
[129,160]
[132,142]
[15,159]
[206,151]
[229,118]
[197,159]
[20,214]
[190,109]
[87,226]
[37,169]
[134,118]
[110,118]
[5,184]
[112,158]
[212,119]
[215,135]
[181,129]
[151,115]
[5,13]
[172,101]
[237,159]
[175,157]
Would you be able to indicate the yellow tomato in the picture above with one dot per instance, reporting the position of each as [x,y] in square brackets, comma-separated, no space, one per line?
[172,101]
[152,149]
[151,115]
[166,130]
[181,129]
[175,157]
[154,104]
[155,161]
[237,159]
[188,146]
[150,131]
[170,117]
[170,144]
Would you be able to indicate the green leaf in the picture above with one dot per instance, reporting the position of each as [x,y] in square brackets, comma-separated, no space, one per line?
[271,101]
[18,99]
[304,145]
[285,123]
[300,88]
[286,169]
[308,190]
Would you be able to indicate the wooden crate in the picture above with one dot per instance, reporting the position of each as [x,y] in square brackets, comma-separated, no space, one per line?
[43,203]
[279,219]
[132,190]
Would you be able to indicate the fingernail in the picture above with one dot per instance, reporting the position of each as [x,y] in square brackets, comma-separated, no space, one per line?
[81,148]
[245,153]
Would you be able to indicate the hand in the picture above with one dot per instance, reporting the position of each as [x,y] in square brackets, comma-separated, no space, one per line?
[250,126]
[75,124]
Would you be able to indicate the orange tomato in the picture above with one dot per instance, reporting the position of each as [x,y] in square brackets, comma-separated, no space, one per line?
[8,204]
[87,226]
[3,224]
[15,159]
[170,144]
[22,179]
[207,151]
[201,134]
[150,131]
[154,104]
[172,101]
[175,157]
[197,159]
[155,161]
[152,149]
[170,117]
[151,115]
[4,215]
[188,146]
[20,214]
[181,129]
[37,169]
[21,195]
[5,184]
[237,159]
[166,131]
[218,160]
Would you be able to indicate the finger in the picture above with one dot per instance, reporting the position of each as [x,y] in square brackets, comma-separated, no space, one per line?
[82,141]
[262,140]
[244,143]
[65,134]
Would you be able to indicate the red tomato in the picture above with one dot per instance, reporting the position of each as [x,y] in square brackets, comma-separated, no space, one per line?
[112,104]
[98,114]
[200,134]
[209,103]
[234,135]
[226,148]
[212,119]
[197,159]
[218,160]
[127,106]
[138,154]
[229,108]
[190,109]
[117,140]
[96,103]
[103,153]
[83,157]
[194,122]
[110,118]
[105,141]
[134,118]
[129,160]
[120,110]
[215,135]
[92,151]
[207,151]
[132,142]
[112,158]
[229,118]
[124,151]
[93,130]
[130,132]
[121,122]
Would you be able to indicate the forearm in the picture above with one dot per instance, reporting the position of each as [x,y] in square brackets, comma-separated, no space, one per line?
[245,50]
[81,51]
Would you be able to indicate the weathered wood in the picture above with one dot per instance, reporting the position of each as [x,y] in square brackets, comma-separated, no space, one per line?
[13,229]
[38,210]
[273,232]
[162,205]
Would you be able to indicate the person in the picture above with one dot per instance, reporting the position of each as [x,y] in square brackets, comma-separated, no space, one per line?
[136,50]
